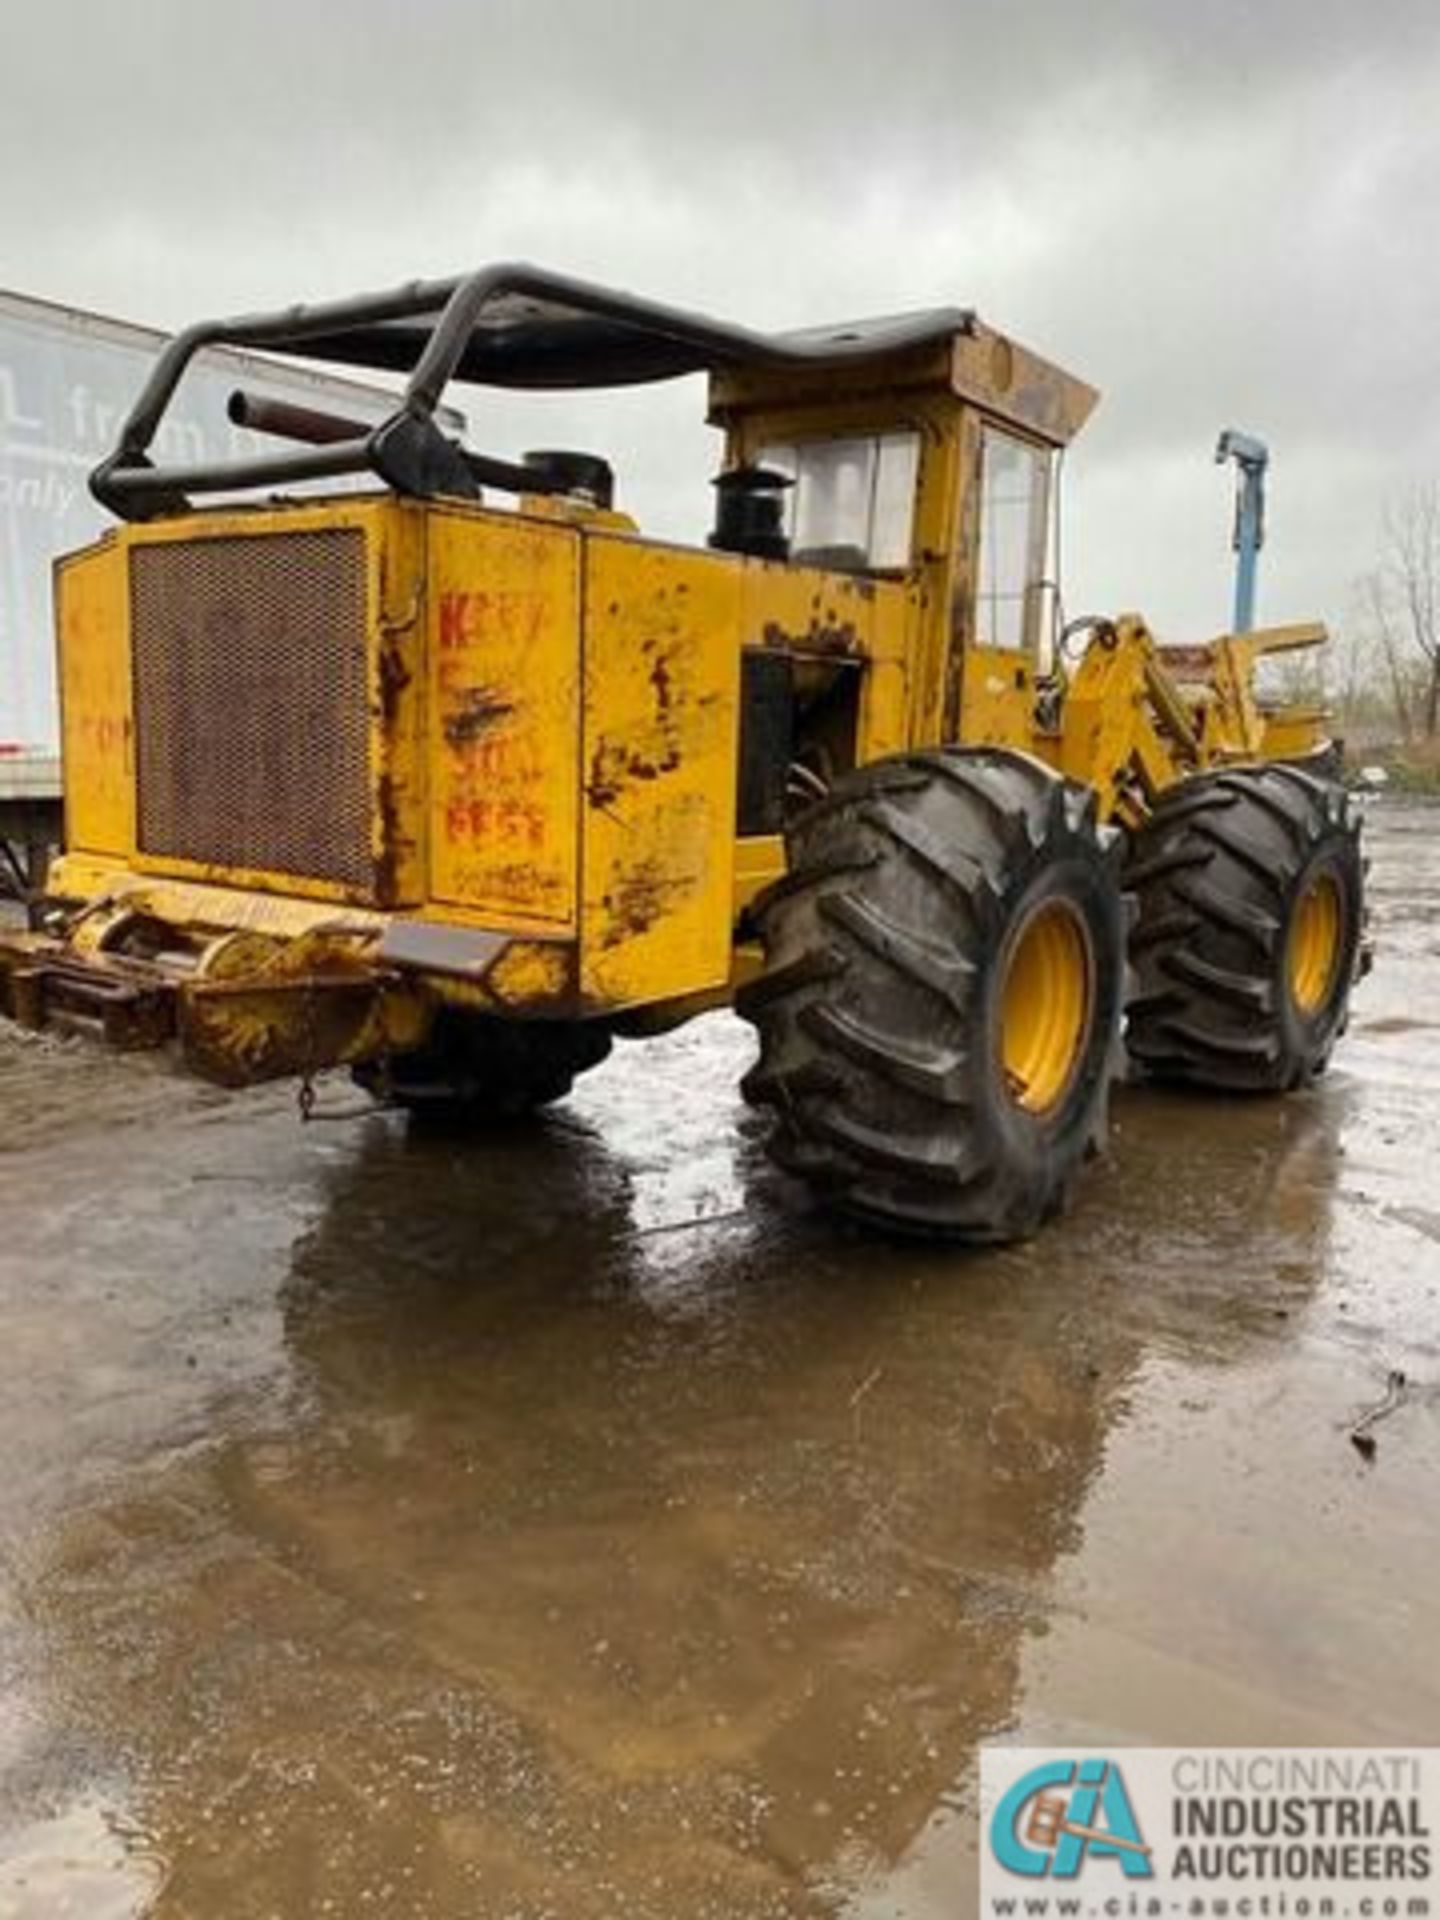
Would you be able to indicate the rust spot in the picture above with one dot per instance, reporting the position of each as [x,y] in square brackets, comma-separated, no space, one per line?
[1040,402]
[476,712]
[823,635]
[395,676]
[639,900]
[661,680]
[563,994]
[523,886]
[388,859]
[615,766]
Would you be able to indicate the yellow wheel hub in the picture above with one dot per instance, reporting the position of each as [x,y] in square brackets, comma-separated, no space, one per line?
[1045,1002]
[1315,943]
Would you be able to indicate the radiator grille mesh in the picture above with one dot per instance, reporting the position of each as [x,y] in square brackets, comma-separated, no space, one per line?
[251,712]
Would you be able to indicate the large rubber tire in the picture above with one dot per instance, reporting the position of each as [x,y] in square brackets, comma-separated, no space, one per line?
[1220,872]
[879,1009]
[476,1068]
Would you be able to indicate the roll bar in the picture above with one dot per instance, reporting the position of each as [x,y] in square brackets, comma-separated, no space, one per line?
[569,333]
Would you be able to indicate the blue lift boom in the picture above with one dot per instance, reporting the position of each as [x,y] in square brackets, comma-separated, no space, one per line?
[1251,457]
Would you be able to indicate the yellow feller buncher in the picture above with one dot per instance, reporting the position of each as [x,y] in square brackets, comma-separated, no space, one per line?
[451,774]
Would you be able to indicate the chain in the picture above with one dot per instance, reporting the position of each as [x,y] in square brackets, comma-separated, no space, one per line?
[305,1094]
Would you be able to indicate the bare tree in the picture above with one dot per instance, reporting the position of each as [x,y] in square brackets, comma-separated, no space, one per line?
[1403,597]
[1352,681]
[1381,637]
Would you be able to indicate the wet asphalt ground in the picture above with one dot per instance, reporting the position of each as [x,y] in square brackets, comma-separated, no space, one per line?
[568,1523]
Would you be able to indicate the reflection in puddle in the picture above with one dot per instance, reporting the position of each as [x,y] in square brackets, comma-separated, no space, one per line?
[614,1548]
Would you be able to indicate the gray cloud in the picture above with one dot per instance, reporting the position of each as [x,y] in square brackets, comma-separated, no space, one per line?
[1219,213]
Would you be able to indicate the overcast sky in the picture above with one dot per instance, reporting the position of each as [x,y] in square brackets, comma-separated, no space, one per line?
[1218,213]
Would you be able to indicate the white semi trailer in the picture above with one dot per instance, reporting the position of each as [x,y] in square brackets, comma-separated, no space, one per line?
[67,380]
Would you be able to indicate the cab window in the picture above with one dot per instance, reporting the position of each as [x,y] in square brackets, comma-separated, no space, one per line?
[852,505]
[1014,506]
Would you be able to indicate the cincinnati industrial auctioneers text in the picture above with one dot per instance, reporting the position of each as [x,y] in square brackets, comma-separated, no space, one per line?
[1297,1817]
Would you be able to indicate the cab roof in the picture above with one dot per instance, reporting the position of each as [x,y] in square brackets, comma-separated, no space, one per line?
[541,330]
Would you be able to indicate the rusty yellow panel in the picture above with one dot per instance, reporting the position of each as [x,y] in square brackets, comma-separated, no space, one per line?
[833,616]
[806,611]
[504,635]
[662,669]
[997,706]
[97,724]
